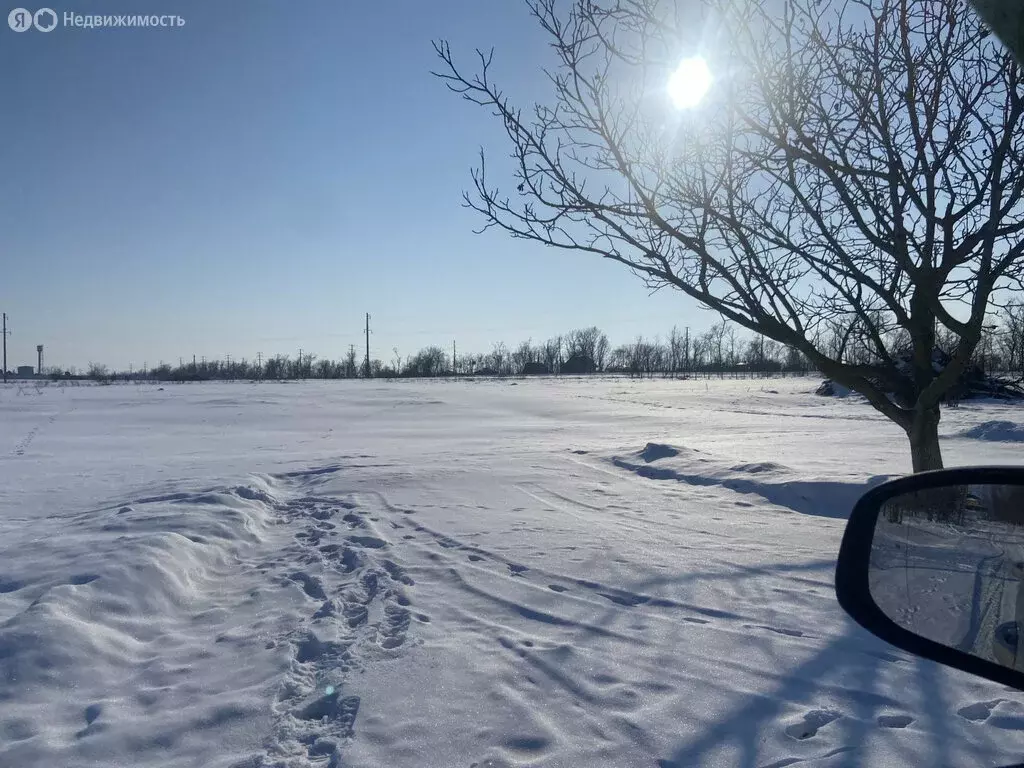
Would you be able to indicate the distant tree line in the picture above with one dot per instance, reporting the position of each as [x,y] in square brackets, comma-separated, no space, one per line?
[718,351]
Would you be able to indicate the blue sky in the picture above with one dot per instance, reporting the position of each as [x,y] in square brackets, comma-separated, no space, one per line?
[258,179]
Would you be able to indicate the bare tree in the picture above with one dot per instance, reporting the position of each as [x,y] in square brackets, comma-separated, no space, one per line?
[351,368]
[618,359]
[675,350]
[1011,340]
[553,354]
[699,353]
[714,343]
[752,355]
[429,361]
[583,343]
[729,335]
[498,359]
[523,355]
[771,354]
[856,162]
[601,352]
[97,372]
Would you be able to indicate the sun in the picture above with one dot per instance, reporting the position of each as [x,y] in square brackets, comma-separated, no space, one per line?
[689,82]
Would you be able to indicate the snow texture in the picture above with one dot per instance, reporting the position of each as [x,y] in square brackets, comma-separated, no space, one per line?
[998,431]
[559,573]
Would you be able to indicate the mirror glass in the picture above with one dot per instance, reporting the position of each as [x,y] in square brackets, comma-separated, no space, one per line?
[948,563]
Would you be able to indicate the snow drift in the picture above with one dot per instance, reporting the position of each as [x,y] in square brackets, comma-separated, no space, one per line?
[770,483]
[996,431]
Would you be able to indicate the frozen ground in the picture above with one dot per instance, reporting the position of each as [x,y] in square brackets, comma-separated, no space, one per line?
[489,574]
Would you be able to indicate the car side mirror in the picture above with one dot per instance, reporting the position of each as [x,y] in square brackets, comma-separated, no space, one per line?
[934,564]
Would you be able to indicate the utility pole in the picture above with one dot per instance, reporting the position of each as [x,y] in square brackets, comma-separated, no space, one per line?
[5,333]
[686,348]
[299,371]
[367,345]
[455,366]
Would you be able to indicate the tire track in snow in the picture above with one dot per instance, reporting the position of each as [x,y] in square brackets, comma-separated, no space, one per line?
[443,549]
[556,655]
[632,598]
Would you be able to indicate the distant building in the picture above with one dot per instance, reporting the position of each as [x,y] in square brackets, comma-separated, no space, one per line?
[535,369]
[578,364]
[26,370]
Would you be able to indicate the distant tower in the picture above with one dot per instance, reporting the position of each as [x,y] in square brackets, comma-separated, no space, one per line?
[39,353]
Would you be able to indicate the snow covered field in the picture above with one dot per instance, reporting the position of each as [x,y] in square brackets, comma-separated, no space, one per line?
[416,574]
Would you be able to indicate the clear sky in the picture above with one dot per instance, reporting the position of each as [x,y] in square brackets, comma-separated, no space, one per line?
[256,180]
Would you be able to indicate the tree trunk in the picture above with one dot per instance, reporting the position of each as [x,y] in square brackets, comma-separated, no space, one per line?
[924,440]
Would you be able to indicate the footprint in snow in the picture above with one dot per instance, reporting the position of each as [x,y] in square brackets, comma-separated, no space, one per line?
[397,573]
[328,609]
[311,649]
[895,721]
[310,585]
[391,632]
[334,707]
[370,542]
[813,721]
[979,712]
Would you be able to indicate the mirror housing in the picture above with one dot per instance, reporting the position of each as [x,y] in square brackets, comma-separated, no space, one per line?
[931,553]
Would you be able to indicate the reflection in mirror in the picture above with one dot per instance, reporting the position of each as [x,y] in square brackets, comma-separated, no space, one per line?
[948,564]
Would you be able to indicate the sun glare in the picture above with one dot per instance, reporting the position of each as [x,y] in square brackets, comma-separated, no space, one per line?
[689,82]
